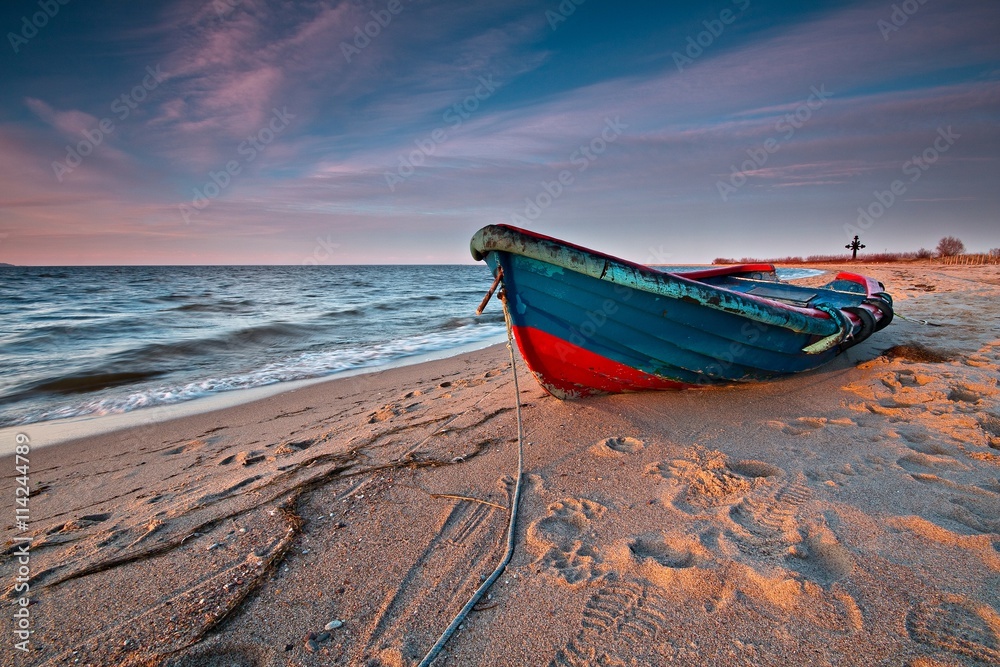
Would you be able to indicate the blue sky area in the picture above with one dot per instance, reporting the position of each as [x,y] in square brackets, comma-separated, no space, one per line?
[248,132]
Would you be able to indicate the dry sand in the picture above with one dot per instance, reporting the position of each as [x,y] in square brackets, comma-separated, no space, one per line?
[849,516]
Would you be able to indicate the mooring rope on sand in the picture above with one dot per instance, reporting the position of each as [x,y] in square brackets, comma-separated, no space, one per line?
[512,525]
[916,321]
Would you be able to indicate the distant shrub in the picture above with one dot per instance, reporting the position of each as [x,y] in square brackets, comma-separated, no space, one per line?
[924,253]
[886,256]
[778,260]
[724,260]
[950,245]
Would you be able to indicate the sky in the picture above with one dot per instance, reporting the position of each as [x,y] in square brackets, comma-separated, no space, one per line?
[389,131]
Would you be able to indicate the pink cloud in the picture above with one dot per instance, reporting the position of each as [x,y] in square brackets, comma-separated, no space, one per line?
[228,73]
[69,123]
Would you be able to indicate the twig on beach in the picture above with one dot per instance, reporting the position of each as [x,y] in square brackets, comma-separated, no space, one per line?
[474,500]
[453,496]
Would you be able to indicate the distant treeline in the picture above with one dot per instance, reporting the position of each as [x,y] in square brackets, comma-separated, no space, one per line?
[993,257]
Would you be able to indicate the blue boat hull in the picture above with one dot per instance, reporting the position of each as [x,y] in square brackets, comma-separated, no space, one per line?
[587,323]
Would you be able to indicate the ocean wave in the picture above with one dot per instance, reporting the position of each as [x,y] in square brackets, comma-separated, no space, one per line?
[485,319]
[299,367]
[81,383]
[343,311]
[242,306]
[264,335]
[405,302]
[61,333]
[176,296]
[151,359]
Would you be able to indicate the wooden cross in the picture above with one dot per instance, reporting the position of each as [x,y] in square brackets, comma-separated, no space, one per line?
[855,245]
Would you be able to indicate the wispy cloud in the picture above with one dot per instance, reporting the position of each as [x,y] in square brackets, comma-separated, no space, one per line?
[228,72]
[70,123]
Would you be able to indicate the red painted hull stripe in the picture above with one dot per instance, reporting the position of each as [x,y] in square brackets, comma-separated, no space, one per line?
[561,366]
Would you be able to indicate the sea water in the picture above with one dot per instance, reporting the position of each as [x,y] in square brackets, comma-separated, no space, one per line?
[79,341]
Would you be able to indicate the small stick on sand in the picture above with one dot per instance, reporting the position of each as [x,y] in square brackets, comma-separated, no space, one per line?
[474,500]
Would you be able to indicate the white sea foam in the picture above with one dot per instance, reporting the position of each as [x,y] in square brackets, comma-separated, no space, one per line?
[300,367]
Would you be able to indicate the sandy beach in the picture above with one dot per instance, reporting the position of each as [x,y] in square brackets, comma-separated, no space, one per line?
[849,516]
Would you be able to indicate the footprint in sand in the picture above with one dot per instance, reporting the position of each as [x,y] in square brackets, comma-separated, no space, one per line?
[970,393]
[563,538]
[249,458]
[920,462]
[842,474]
[624,623]
[979,513]
[385,413]
[293,447]
[975,507]
[807,425]
[751,468]
[190,446]
[907,378]
[767,525]
[990,424]
[678,565]
[390,410]
[959,625]
[80,524]
[617,446]
[917,438]
[936,535]
[821,557]
[656,549]
[708,478]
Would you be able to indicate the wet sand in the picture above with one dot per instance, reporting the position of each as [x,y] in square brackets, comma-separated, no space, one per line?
[845,516]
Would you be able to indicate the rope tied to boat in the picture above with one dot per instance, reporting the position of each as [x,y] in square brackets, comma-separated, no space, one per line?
[916,321]
[512,524]
[883,301]
[844,329]
[868,324]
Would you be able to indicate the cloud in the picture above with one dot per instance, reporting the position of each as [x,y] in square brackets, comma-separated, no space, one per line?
[227,72]
[68,123]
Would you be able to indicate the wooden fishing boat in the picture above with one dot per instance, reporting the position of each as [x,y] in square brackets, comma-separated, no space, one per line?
[588,323]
